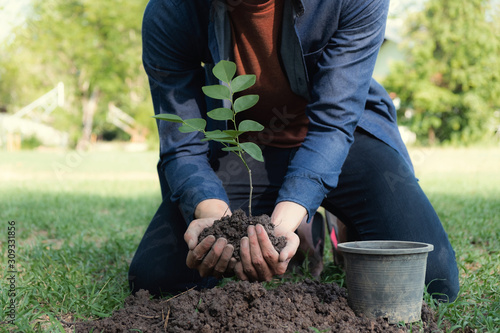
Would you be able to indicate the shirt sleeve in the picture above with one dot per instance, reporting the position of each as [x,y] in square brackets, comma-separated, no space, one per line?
[339,91]
[172,61]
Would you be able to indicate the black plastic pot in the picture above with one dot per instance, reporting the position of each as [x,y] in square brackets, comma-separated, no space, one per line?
[386,278]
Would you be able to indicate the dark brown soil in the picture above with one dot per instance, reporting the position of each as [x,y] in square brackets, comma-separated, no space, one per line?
[234,227]
[307,306]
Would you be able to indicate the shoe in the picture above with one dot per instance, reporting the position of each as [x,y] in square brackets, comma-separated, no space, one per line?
[312,244]
[338,234]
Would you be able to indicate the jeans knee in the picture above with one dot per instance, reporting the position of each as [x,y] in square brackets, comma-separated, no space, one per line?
[442,274]
[444,290]
[442,281]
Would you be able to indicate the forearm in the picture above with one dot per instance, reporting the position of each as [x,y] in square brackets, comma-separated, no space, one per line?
[339,91]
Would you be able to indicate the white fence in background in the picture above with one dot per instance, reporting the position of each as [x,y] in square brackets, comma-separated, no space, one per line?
[27,122]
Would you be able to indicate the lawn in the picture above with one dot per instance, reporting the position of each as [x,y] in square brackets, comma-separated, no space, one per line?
[78,218]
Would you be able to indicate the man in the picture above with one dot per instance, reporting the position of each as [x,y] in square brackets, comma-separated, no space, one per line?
[330,138]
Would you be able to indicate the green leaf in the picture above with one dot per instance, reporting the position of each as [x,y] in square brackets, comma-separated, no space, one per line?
[217,134]
[250,126]
[197,123]
[221,114]
[217,91]
[242,82]
[192,125]
[228,141]
[235,148]
[253,150]
[232,133]
[187,129]
[169,117]
[224,70]
[245,102]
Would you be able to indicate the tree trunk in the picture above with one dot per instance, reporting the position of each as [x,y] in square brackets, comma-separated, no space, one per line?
[89,109]
[431,136]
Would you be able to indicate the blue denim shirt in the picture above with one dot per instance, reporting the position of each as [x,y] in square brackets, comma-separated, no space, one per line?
[328,50]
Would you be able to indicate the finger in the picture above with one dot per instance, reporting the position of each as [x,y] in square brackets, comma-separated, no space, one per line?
[258,262]
[230,271]
[292,243]
[286,254]
[194,230]
[238,270]
[269,253]
[195,256]
[206,267]
[191,235]
[246,260]
[223,262]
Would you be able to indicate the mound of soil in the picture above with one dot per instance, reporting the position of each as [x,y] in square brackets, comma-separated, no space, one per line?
[307,306]
[234,227]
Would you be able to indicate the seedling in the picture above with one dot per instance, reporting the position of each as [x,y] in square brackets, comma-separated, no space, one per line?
[225,71]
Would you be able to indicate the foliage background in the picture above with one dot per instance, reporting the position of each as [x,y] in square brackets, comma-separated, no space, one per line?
[449,85]
[94,47]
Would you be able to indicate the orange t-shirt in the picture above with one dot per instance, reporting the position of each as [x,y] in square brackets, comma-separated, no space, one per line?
[256,29]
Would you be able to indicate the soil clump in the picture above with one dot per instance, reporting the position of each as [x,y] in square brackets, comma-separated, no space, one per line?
[307,306]
[235,227]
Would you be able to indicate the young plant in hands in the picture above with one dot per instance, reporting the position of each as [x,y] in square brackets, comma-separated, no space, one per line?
[225,72]
[232,228]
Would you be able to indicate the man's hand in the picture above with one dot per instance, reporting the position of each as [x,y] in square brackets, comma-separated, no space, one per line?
[210,256]
[259,259]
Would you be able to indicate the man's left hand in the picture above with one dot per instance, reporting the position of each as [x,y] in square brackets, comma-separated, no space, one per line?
[259,259]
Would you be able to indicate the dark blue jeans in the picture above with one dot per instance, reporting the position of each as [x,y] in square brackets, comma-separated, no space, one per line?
[377,198]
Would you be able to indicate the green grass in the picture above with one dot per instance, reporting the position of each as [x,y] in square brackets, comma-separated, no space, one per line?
[79,218]
[78,222]
[464,187]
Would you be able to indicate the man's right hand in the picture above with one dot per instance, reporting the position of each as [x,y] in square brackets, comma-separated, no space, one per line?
[210,256]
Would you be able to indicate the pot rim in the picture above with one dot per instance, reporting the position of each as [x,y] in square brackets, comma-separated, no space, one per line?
[385,247]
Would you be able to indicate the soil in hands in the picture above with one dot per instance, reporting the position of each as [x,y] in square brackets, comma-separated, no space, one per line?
[307,306]
[235,227]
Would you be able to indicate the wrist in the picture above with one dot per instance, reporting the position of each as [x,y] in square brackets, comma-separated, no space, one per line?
[287,216]
[211,208]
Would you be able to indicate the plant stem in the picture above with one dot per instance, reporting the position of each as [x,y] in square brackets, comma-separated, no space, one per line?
[251,192]
[251,184]
[240,155]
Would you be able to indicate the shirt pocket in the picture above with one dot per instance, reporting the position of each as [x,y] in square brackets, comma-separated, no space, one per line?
[311,60]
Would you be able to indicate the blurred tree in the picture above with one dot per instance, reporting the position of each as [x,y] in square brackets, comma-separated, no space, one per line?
[450,84]
[94,47]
